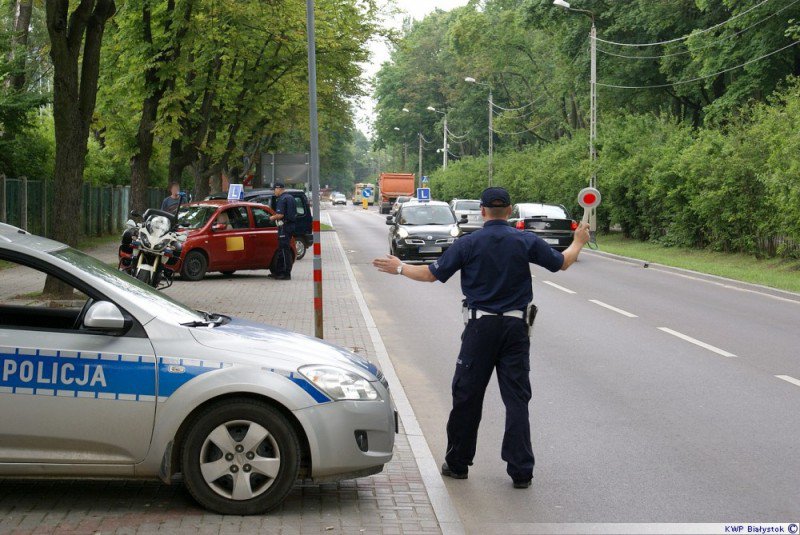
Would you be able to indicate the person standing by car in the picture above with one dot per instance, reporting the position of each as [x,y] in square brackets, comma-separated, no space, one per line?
[496,281]
[285,215]
[170,204]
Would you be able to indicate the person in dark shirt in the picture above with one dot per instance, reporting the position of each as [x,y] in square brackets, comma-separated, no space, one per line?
[496,281]
[170,204]
[285,215]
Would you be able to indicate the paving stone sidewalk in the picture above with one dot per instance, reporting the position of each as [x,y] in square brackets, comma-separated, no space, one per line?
[392,502]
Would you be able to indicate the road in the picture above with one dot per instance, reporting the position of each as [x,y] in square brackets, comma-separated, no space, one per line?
[655,396]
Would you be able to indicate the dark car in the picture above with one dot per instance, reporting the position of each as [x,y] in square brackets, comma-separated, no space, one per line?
[422,231]
[551,222]
[303,231]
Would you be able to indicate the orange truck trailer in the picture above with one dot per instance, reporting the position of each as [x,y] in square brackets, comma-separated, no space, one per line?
[394,185]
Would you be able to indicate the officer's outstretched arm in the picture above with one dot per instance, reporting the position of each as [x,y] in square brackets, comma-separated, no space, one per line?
[390,263]
[580,239]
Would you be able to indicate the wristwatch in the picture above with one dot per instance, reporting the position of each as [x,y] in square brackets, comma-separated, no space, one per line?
[400,269]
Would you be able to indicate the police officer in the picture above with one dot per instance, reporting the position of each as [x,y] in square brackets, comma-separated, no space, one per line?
[496,281]
[285,215]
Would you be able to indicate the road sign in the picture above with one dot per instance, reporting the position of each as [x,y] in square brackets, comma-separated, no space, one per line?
[425,180]
[235,192]
[366,193]
[423,194]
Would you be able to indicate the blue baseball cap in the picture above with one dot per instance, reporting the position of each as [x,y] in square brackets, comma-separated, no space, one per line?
[495,198]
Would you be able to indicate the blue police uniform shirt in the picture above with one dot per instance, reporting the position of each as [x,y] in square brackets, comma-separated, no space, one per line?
[494,264]
[286,206]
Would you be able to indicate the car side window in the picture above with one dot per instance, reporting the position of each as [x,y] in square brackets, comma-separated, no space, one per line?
[301,207]
[238,217]
[262,218]
[27,303]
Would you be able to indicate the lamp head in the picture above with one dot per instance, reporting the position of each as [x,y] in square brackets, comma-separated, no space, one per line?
[561,3]
[431,108]
[406,110]
[470,79]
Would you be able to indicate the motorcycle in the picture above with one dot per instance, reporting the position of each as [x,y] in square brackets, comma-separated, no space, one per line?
[151,250]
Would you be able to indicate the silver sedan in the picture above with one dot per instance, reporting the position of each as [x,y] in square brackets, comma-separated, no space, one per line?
[102,376]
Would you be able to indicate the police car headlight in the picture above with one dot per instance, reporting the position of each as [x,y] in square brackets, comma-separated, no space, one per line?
[402,233]
[340,384]
[455,232]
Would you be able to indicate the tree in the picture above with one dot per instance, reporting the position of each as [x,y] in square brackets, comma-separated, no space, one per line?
[76,37]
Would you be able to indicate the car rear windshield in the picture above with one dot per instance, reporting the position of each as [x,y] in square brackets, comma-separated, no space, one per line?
[468,205]
[194,217]
[542,210]
[426,215]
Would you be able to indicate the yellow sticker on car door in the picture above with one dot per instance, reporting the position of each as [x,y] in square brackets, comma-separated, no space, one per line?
[234,243]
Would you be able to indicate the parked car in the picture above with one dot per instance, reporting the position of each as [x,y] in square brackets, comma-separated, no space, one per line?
[339,198]
[117,380]
[422,231]
[227,236]
[471,209]
[549,221]
[398,203]
[303,231]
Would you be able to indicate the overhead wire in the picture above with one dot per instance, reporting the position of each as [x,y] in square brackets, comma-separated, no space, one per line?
[705,46]
[687,36]
[523,131]
[698,78]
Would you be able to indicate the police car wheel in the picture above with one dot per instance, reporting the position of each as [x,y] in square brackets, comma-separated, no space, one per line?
[194,266]
[300,246]
[240,458]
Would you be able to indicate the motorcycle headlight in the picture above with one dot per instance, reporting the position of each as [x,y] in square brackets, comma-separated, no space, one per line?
[402,233]
[145,240]
[158,225]
[455,232]
[340,384]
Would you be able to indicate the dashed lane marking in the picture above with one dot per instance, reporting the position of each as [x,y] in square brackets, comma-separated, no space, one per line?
[697,342]
[789,379]
[558,287]
[615,309]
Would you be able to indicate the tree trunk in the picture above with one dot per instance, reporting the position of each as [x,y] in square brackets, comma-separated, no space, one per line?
[19,42]
[75,41]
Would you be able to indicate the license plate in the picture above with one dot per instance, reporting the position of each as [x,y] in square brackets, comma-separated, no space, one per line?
[551,241]
[426,250]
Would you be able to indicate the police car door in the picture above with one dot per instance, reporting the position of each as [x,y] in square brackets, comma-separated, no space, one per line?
[67,395]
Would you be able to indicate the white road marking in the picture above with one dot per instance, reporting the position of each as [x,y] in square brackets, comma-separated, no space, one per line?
[789,379]
[615,309]
[696,342]
[558,287]
[443,507]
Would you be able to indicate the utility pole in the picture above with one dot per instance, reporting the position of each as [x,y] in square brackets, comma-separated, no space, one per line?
[419,134]
[491,136]
[314,127]
[593,104]
[444,147]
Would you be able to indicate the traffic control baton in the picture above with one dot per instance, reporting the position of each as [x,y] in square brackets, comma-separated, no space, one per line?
[589,199]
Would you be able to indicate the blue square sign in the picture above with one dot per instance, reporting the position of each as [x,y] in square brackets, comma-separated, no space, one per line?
[235,192]
[423,194]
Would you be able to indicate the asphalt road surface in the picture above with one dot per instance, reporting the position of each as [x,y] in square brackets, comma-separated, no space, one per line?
[656,395]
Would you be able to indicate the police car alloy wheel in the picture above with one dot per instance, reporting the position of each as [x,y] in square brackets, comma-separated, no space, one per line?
[240,457]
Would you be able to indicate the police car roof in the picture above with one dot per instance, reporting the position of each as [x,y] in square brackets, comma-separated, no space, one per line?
[19,239]
[414,201]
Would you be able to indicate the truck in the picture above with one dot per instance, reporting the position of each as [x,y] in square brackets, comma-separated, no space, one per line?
[394,185]
[358,198]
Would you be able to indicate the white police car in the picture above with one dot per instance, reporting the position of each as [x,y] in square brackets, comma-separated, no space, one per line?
[110,378]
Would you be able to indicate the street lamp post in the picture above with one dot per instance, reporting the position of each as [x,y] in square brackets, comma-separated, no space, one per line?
[405,149]
[419,136]
[444,146]
[592,85]
[472,80]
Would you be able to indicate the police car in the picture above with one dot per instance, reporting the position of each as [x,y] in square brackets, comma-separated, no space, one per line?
[101,376]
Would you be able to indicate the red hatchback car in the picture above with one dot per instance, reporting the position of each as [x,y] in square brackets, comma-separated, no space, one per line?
[227,236]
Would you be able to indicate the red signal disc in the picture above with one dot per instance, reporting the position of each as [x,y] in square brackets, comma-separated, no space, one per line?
[590,198]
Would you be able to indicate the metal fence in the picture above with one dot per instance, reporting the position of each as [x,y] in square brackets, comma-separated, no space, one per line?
[29,204]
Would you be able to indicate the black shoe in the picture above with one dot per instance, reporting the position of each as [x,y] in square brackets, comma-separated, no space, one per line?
[279,277]
[455,475]
[522,484]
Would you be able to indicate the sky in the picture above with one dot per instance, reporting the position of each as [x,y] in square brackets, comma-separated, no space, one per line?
[380,50]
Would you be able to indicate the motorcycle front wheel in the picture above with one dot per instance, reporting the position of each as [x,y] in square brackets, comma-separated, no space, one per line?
[143,276]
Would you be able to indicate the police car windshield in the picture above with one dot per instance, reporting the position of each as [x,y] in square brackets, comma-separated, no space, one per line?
[194,217]
[143,295]
[426,214]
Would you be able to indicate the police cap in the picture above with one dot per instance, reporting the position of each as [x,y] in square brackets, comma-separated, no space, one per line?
[279,185]
[495,198]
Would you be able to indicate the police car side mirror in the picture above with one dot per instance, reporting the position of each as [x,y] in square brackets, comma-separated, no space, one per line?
[104,316]
[389,220]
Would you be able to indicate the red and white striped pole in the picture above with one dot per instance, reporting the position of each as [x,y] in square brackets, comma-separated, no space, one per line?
[314,138]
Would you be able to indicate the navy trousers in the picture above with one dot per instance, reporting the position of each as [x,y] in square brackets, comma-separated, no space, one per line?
[489,343]
[285,260]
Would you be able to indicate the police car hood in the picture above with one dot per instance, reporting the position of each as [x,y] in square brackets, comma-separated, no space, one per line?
[433,230]
[255,342]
